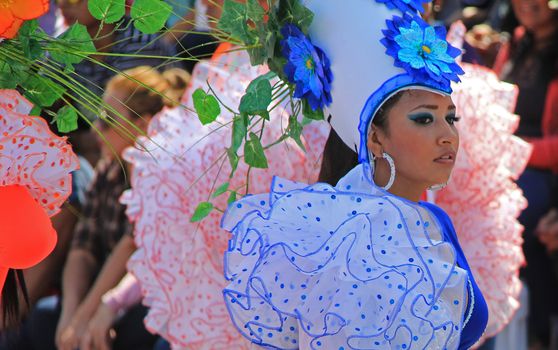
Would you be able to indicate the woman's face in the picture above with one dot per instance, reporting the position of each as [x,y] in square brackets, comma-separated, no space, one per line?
[533,14]
[76,11]
[422,139]
[117,140]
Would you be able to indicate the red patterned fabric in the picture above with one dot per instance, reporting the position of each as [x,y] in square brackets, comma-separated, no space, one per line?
[32,156]
[180,264]
[482,198]
[35,180]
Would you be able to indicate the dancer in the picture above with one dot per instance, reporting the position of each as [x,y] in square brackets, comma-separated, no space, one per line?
[179,263]
[364,264]
[35,180]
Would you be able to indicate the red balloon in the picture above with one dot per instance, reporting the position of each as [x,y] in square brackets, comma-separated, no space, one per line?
[26,232]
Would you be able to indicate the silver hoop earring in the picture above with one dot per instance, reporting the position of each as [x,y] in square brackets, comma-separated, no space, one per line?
[391,163]
[437,187]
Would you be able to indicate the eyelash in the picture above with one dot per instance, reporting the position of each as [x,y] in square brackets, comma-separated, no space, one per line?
[425,119]
[452,119]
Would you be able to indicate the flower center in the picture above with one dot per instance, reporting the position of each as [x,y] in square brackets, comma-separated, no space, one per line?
[309,62]
[6,3]
[426,49]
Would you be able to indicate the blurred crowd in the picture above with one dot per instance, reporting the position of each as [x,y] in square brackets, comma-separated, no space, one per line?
[74,294]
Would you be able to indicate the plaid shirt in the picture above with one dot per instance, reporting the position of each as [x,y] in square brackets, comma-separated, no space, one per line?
[104,220]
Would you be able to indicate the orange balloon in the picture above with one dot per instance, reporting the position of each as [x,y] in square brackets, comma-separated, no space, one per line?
[26,232]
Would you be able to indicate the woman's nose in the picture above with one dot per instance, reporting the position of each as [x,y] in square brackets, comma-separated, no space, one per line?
[448,134]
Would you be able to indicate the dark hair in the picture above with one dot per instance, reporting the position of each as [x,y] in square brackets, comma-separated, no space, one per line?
[549,56]
[14,286]
[338,158]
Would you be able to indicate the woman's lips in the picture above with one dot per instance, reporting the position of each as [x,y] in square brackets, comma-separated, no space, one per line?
[446,158]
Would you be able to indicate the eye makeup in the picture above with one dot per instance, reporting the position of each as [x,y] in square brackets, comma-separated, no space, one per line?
[421,118]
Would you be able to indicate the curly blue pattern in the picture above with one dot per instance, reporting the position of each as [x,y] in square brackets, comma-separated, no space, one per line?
[307,67]
[405,6]
[421,49]
[345,267]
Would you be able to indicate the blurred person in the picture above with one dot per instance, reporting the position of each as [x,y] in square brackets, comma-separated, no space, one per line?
[530,60]
[102,241]
[141,103]
[191,35]
[121,38]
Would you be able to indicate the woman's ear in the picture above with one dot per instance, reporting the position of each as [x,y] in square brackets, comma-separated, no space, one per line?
[374,142]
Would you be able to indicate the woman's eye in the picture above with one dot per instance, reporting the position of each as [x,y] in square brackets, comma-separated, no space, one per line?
[452,119]
[422,119]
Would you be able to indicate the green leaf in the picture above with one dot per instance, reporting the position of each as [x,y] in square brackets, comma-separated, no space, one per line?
[257,98]
[234,21]
[28,28]
[75,39]
[32,49]
[35,111]
[202,210]
[302,16]
[311,114]
[109,11]
[254,11]
[30,46]
[207,106]
[66,119]
[8,76]
[233,160]
[232,198]
[240,128]
[294,131]
[220,190]
[254,153]
[150,16]
[42,91]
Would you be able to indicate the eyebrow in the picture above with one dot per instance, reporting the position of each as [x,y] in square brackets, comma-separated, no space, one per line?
[433,107]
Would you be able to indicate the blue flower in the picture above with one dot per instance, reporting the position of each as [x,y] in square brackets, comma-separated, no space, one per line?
[422,50]
[307,67]
[405,6]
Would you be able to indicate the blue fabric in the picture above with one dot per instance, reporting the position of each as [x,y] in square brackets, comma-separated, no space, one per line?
[81,178]
[346,267]
[474,329]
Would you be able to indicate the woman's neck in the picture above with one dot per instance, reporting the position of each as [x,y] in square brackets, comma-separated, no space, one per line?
[401,187]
